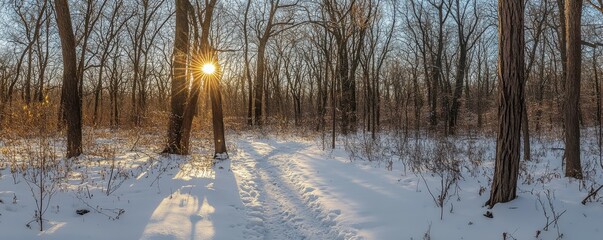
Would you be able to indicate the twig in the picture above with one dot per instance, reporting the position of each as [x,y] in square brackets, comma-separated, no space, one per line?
[554,219]
[135,142]
[428,190]
[120,211]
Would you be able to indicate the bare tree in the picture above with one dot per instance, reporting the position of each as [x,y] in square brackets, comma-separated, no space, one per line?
[107,44]
[204,54]
[142,35]
[573,12]
[43,53]
[272,27]
[247,67]
[71,107]
[537,27]
[374,55]
[431,43]
[348,23]
[33,23]
[510,100]
[469,31]
[562,38]
[179,73]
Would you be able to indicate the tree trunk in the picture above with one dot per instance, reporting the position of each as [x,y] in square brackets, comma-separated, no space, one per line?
[247,68]
[43,60]
[97,91]
[510,100]
[189,113]
[259,82]
[418,102]
[525,128]
[573,14]
[541,85]
[333,110]
[458,88]
[71,108]
[134,107]
[114,90]
[179,88]
[342,58]
[212,82]
[599,106]
[205,55]
[27,90]
[562,35]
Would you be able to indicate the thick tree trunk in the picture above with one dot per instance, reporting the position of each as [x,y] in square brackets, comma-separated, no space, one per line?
[189,113]
[217,117]
[205,55]
[179,88]
[573,14]
[71,108]
[510,97]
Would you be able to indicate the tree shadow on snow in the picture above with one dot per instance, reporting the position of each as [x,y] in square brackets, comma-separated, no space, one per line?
[204,204]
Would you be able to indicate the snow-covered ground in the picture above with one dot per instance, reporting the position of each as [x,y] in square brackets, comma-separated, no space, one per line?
[290,188]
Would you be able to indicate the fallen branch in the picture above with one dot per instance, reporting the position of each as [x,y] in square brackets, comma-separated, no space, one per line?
[591,194]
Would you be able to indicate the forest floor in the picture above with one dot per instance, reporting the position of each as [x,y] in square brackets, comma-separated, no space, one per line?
[290,188]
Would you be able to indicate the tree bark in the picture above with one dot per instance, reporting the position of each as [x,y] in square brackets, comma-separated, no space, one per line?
[215,95]
[179,88]
[510,96]
[573,14]
[71,108]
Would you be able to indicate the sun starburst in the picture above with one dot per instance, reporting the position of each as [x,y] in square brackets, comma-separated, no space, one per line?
[208,68]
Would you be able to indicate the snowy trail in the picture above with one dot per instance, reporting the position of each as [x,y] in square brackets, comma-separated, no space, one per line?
[295,190]
[280,205]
